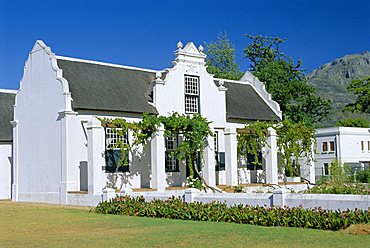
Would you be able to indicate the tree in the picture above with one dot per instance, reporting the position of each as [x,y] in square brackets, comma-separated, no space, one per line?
[361,88]
[355,122]
[285,81]
[220,59]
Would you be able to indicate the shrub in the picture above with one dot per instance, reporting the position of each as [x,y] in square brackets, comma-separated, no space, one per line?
[362,176]
[238,189]
[175,208]
[194,183]
[349,188]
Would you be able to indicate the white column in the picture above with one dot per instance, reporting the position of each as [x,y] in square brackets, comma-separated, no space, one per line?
[271,157]
[209,169]
[309,166]
[95,159]
[15,186]
[231,160]
[64,182]
[158,161]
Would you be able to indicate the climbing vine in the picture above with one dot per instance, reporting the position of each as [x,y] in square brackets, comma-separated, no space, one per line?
[294,141]
[252,139]
[193,130]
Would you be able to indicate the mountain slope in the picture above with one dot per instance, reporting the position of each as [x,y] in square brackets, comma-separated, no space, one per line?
[332,79]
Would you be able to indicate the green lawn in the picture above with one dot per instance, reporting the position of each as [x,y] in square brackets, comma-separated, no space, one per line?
[41,225]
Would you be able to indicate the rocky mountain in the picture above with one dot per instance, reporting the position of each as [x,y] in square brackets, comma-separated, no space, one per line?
[332,79]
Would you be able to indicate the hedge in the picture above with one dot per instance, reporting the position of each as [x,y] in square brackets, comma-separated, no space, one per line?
[176,208]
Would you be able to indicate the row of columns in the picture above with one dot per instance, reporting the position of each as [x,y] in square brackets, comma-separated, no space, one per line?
[97,179]
[209,168]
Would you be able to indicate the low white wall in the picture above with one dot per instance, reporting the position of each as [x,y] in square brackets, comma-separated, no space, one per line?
[149,196]
[277,198]
[84,199]
[235,199]
[5,170]
[43,197]
[327,201]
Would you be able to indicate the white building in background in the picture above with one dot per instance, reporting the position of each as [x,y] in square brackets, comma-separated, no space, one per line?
[60,147]
[349,145]
[6,139]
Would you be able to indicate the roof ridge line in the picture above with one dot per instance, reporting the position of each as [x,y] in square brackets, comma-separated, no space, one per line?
[104,63]
[8,91]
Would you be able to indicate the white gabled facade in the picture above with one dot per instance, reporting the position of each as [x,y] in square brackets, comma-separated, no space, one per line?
[58,150]
[349,145]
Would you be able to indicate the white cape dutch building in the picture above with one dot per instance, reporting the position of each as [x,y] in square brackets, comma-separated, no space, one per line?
[60,147]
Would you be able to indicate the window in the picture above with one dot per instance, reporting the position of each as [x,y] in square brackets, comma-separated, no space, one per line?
[368,146]
[252,164]
[191,94]
[172,164]
[331,146]
[219,156]
[216,141]
[324,146]
[114,159]
[362,146]
[326,169]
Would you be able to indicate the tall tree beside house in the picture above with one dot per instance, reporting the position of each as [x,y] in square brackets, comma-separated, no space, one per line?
[220,59]
[361,88]
[285,81]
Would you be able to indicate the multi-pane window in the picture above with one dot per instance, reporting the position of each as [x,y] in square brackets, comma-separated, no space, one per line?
[324,146]
[216,141]
[171,162]
[112,138]
[115,159]
[191,94]
[331,146]
[326,169]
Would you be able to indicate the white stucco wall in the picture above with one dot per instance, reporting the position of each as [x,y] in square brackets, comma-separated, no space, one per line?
[5,170]
[38,103]
[170,96]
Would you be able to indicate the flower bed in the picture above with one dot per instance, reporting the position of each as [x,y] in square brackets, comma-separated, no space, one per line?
[175,208]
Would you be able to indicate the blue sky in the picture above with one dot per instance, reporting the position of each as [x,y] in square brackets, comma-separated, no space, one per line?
[145,33]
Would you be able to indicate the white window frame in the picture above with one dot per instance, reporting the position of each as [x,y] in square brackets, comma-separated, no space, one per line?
[191,89]
[112,137]
[171,163]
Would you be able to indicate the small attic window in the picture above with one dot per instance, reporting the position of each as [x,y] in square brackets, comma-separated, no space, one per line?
[191,94]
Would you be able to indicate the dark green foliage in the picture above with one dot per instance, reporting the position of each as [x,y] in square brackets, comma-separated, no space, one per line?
[355,122]
[362,176]
[253,140]
[220,59]
[175,208]
[361,88]
[285,81]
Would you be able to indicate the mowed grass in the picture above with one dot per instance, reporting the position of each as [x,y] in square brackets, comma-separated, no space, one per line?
[42,225]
